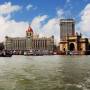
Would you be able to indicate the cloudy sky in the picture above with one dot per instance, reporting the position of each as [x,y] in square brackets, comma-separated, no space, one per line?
[43,15]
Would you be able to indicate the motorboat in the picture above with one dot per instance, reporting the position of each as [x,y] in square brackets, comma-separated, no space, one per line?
[73,53]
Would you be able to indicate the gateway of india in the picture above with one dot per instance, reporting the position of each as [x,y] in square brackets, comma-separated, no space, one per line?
[30,42]
[71,40]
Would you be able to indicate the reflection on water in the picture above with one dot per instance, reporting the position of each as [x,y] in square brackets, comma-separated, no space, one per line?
[45,73]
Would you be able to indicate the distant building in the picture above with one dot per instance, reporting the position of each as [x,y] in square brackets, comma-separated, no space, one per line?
[69,40]
[30,42]
[67,28]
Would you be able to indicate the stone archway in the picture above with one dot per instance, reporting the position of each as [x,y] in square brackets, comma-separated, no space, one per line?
[71,47]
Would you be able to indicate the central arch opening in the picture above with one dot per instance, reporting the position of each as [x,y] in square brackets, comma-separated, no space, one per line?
[72,47]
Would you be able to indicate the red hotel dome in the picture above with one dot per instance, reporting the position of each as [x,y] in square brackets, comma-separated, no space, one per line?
[29,29]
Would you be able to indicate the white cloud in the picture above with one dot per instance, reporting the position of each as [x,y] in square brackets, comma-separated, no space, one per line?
[8,8]
[11,28]
[84,24]
[16,29]
[60,13]
[29,6]
[40,26]
[52,28]
[37,23]
[47,29]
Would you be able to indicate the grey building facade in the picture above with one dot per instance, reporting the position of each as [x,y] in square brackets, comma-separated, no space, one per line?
[67,28]
[30,42]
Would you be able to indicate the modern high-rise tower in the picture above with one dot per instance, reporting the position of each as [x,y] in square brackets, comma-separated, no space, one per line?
[67,28]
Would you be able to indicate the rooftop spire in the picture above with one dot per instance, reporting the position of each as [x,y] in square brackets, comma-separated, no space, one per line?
[29,28]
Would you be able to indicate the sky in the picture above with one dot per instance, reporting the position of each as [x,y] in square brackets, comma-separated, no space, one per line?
[43,16]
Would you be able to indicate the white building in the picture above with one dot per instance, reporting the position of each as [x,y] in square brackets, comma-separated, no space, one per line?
[30,42]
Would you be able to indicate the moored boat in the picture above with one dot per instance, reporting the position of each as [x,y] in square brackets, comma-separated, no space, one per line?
[73,53]
[5,54]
